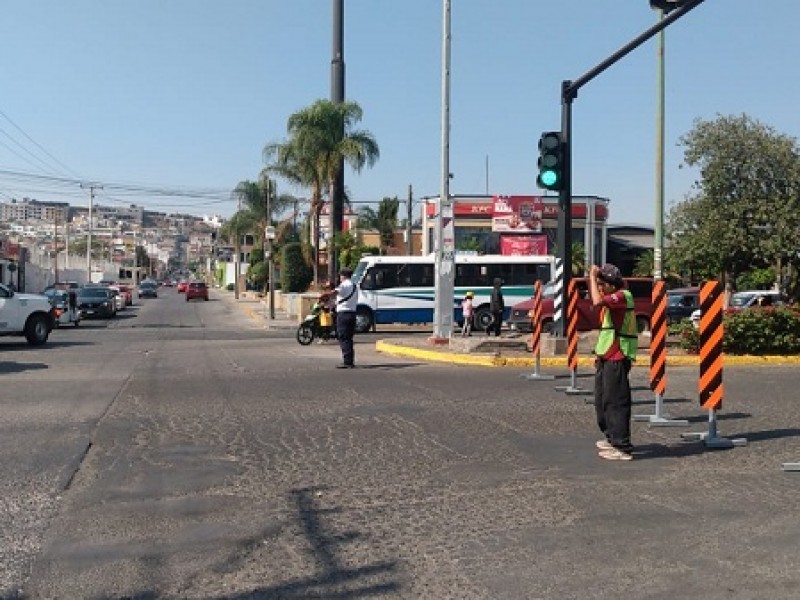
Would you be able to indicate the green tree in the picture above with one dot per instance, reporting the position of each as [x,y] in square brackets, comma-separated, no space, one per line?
[744,212]
[384,220]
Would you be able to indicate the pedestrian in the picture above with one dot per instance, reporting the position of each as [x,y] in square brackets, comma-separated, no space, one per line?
[467,311]
[496,307]
[72,303]
[615,352]
[346,303]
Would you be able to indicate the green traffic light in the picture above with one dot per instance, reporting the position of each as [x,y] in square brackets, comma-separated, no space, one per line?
[548,178]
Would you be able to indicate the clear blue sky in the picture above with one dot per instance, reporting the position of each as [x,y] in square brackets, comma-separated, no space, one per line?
[182,95]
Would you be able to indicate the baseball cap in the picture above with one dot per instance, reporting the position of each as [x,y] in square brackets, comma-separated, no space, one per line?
[610,274]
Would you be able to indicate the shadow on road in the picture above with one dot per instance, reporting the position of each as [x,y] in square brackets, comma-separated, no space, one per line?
[332,578]
[7,368]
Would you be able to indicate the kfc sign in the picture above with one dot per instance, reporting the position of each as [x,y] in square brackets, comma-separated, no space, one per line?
[517,214]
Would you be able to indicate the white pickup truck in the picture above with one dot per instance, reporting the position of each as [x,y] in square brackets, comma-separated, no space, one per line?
[30,315]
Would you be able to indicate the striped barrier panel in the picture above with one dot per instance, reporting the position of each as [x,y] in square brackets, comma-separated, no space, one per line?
[572,340]
[536,332]
[710,387]
[710,384]
[572,326]
[658,358]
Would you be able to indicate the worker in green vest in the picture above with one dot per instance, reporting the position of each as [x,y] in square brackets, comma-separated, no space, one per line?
[615,351]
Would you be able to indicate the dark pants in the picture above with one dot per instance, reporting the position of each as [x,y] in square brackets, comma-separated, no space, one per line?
[345,329]
[496,324]
[612,401]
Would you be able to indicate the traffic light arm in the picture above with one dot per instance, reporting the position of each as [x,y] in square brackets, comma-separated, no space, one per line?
[570,90]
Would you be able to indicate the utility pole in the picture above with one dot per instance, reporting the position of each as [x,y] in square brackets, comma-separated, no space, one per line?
[444,244]
[337,96]
[269,235]
[55,246]
[409,215]
[92,187]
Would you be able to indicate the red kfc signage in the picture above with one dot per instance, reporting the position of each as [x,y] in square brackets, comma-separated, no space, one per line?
[523,245]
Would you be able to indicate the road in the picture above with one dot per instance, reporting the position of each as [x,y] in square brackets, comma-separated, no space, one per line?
[182,451]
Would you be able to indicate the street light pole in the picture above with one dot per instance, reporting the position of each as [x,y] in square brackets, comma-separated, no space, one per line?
[92,187]
[445,227]
[658,242]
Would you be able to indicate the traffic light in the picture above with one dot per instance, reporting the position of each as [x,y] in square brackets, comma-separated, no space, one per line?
[551,161]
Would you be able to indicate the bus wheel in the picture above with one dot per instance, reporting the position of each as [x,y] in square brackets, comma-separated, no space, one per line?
[483,318]
[364,320]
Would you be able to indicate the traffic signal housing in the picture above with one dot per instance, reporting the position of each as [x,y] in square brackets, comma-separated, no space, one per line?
[551,161]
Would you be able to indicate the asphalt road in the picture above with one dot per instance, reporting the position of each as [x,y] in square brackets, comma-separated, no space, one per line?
[183,451]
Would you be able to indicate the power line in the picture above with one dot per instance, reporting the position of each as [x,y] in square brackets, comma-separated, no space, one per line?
[35,143]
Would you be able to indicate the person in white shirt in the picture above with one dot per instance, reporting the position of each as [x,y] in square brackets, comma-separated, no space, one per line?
[346,304]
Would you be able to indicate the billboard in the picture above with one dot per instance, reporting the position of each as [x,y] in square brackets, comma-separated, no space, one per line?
[517,214]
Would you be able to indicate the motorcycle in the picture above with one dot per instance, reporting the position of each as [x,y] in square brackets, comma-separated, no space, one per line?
[317,324]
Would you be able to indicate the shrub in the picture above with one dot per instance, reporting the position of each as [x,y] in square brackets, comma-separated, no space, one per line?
[296,274]
[762,331]
[229,287]
[754,331]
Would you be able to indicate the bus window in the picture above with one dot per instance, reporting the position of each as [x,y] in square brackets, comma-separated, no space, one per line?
[416,275]
[385,276]
[468,275]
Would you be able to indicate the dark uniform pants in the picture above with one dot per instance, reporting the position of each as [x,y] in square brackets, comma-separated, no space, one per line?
[345,329]
[612,401]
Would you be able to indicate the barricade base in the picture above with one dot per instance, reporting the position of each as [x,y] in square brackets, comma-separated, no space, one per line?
[714,441]
[790,467]
[572,390]
[538,376]
[657,421]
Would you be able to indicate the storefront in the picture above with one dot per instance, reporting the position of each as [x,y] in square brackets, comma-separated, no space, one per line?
[520,224]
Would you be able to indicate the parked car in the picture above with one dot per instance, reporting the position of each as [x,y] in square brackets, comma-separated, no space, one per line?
[681,303]
[127,293]
[640,287]
[755,299]
[182,285]
[96,301]
[148,289]
[751,299]
[119,298]
[198,290]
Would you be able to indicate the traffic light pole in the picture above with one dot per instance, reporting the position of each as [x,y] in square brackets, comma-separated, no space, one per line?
[569,91]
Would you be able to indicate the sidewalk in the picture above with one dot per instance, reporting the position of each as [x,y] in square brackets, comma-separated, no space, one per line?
[509,350]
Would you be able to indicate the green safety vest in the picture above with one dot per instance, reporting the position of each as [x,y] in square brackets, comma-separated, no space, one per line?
[628,334]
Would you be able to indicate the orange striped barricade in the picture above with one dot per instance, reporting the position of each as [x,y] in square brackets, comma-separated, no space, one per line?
[536,333]
[658,359]
[710,386]
[572,341]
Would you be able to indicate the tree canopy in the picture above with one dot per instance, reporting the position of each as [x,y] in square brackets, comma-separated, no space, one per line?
[744,209]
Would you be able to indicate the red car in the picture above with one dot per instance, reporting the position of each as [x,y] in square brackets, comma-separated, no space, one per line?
[182,285]
[198,290]
[640,287]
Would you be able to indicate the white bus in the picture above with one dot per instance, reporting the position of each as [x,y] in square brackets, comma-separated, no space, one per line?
[401,289]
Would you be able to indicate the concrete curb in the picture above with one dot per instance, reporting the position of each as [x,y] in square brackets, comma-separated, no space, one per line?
[491,360]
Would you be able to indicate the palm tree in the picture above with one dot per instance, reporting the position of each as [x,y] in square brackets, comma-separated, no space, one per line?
[287,160]
[253,196]
[384,220]
[325,134]
[233,229]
